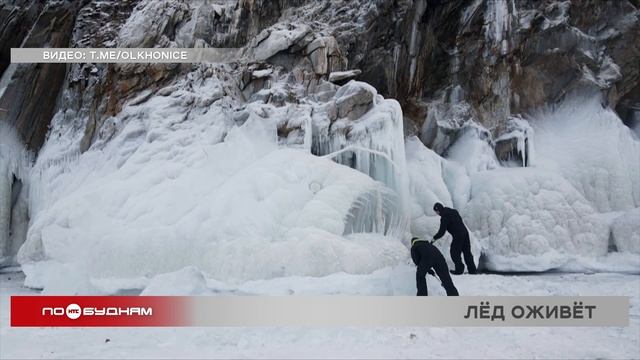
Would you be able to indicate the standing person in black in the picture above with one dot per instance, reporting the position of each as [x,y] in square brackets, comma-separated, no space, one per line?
[427,257]
[451,221]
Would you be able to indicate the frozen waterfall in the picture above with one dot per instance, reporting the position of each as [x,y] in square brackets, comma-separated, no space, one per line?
[374,145]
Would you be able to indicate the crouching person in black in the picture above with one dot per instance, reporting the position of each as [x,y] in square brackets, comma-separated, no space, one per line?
[427,257]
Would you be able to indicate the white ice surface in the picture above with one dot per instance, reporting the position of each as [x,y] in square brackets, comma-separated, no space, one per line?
[184,282]
[626,231]
[426,186]
[373,144]
[473,153]
[348,342]
[591,147]
[535,216]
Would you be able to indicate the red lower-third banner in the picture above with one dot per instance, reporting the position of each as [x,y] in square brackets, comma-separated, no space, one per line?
[336,310]
[99,311]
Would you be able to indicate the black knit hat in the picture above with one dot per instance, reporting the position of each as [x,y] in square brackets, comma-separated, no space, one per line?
[437,207]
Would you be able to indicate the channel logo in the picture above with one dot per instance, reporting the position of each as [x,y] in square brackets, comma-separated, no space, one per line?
[98,311]
[74,311]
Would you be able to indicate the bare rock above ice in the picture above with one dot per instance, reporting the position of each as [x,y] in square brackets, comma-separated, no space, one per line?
[274,40]
[353,100]
[341,76]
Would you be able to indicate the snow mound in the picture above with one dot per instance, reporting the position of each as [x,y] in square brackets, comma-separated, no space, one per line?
[184,282]
[532,215]
[591,147]
[626,231]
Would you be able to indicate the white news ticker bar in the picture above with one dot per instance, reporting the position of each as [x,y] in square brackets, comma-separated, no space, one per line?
[126,55]
[337,310]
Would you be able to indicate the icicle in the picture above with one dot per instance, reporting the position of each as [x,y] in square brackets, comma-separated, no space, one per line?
[498,23]
[308,133]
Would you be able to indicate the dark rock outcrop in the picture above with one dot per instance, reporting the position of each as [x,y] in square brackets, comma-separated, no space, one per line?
[16,20]
[29,100]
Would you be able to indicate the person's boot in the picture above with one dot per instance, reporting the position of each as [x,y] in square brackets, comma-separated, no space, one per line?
[457,271]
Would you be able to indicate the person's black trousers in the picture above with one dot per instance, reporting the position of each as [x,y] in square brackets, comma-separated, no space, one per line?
[441,269]
[461,245]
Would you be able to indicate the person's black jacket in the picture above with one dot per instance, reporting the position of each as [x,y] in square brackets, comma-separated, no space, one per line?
[428,258]
[422,250]
[451,221]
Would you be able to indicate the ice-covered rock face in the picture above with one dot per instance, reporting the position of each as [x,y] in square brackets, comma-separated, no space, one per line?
[169,188]
[149,21]
[532,220]
[149,168]
[362,130]
[515,147]
[583,161]
[14,167]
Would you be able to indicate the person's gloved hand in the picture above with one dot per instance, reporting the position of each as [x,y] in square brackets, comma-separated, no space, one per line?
[430,272]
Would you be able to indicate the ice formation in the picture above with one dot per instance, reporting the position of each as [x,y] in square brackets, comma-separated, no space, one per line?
[472,152]
[372,144]
[164,193]
[498,23]
[428,173]
[533,216]
[585,162]
[426,185]
[15,161]
[591,147]
[519,131]
[626,231]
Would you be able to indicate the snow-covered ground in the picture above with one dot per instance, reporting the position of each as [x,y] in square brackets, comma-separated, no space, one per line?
[378,342]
